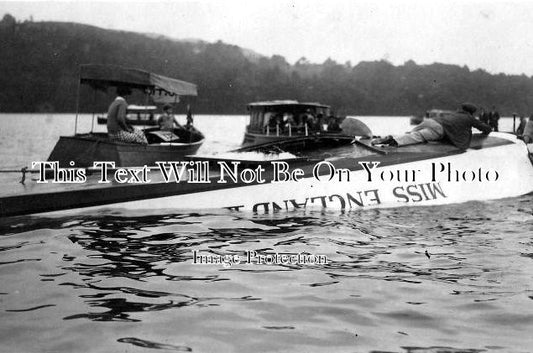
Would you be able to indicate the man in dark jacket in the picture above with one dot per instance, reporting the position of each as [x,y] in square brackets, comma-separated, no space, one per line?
[456,127]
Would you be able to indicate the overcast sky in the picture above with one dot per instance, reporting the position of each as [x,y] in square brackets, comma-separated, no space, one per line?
[493,35]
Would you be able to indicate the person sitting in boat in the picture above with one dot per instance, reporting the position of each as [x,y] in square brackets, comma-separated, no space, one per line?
[279,122]
[167,121]
[300,123]
[117,127]
[319,124]
[314,123]
[267,120]
[483,116]
[333,124]
[305,119]
[494,117]
[521,126]
[275,123]
[288,121]
[456,127]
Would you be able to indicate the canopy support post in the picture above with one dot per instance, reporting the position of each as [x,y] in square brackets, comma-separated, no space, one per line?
[94,101]
[146,97]
[77,108]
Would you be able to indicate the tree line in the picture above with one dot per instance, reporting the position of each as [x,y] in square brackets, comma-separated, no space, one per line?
[40,62]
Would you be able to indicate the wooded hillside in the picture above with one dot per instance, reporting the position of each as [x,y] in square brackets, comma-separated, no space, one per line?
[39,67]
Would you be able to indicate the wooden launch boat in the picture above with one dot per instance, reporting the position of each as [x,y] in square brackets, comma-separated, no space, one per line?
[84,149]
[286,120]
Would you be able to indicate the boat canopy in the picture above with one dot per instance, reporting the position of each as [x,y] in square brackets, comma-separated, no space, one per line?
[103,76]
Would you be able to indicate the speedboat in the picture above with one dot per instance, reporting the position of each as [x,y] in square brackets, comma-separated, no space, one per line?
[83,149]
[350,177]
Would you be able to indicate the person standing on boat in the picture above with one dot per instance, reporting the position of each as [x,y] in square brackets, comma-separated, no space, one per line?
[333,124]
[190,120]
[494,117]
[117,126]
[456,127]
[167,121]
[521,126]
[527,135]
[483,116]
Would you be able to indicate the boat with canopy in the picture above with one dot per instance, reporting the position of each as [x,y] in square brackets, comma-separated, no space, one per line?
[310,124]
[84,148]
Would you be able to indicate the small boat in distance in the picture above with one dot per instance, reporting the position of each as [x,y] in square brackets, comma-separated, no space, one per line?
[84,149]
[307,125]
[138,115]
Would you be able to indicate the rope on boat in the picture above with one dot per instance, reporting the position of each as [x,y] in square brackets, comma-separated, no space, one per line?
[21,170]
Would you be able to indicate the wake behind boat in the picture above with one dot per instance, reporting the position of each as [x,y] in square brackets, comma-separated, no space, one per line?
[84,149]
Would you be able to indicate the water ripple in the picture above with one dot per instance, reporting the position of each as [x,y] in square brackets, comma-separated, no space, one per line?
[432,279]
[154,345]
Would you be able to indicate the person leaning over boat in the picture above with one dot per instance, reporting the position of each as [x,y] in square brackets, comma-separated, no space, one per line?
[117,127]
[167,121]
[456,127]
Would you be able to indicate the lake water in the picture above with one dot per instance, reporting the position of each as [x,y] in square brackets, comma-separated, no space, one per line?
[454,278]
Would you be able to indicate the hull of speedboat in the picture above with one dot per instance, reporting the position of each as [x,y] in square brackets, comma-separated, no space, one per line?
[495,167]
[488,173]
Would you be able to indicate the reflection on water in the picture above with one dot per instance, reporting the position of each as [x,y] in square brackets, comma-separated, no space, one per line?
[438,279]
